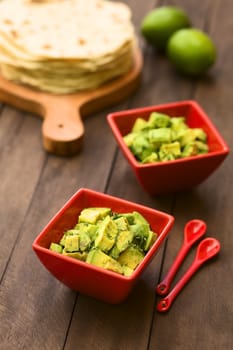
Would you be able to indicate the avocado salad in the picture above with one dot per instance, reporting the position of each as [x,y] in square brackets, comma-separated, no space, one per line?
[163,138]
[113,241]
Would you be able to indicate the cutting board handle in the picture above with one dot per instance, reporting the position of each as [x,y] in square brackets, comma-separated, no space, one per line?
[62,128]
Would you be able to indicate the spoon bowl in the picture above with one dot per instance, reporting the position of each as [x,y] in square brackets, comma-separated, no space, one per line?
[194,230]
[207,249]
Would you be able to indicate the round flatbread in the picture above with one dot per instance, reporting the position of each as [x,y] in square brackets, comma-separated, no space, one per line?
[63,46]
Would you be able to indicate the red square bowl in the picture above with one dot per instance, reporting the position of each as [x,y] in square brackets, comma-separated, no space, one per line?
[174,175]
[81,276]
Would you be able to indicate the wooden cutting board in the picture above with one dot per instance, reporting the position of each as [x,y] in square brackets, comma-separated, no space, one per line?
[62,127]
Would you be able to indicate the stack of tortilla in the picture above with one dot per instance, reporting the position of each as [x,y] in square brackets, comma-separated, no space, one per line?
[64,46]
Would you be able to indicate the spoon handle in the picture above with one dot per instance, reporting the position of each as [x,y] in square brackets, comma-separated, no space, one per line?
[165,303]
[163,287]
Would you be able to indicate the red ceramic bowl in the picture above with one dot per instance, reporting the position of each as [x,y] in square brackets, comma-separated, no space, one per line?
[81,276]
[177,175]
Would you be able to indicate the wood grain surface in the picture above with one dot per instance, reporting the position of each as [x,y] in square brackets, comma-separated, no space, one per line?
[36,311]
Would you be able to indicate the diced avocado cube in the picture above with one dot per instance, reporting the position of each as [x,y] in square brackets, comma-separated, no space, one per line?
[191,135]
[76,255]
[56,248]
[131,257]
[81,226]
[194,148]
[135,217]
[139,125]
[153,157]
[100,259]
[92,232]
[127,271]
[152,236]
[139,218]
[190,150]
[140,234]
[159,120]
[141,147]
[114,252]
[70,232]
[165,157]
[92,215]
[129,217]
[202,147]
[178,124]
[62,240]
[85,242]
[72,243]
[178,134]
[89,229]
[171,150]
[106,234]
[187,137]
[114,266]
[122,223]
[200,134]
[160,135]
[123,240]
[129,138]
[145,154]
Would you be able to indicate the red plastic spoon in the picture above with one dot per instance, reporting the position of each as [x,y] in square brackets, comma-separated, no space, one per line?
[193,231]
[206,250]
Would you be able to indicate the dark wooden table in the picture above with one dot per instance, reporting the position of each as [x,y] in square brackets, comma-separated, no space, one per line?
[36,311]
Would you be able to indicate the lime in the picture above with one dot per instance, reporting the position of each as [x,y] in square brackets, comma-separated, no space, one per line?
[191,51]
[159,24]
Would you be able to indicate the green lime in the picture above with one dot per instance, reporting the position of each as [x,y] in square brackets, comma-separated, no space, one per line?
[159,24]
[191,51]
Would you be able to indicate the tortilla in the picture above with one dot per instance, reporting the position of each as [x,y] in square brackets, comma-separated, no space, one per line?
[82,45]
